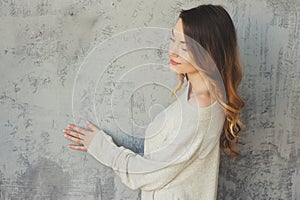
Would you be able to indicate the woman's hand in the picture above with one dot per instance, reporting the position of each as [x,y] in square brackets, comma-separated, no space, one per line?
[80,135]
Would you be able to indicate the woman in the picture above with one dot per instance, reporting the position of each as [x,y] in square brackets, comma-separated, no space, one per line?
[181,158]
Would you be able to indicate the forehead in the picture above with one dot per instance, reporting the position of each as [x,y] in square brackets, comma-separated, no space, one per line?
[178,25]
[177,31]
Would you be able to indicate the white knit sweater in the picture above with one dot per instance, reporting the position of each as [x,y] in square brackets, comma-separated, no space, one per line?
[181,153]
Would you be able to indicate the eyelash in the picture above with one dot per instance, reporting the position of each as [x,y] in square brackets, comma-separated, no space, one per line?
[174,41]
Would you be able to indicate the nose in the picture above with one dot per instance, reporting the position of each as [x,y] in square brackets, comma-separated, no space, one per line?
[173,49]
[173,54]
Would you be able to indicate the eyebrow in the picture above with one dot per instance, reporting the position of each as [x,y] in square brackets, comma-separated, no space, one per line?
[173,35]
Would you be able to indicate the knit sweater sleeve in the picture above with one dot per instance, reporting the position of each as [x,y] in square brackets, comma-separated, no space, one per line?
[154,170]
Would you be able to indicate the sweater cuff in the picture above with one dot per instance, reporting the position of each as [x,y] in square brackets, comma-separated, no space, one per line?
[103,149]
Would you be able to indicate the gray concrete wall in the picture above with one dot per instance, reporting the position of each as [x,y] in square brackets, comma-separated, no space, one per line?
[42,46]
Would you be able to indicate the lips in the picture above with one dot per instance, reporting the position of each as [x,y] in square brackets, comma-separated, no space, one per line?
[173,62]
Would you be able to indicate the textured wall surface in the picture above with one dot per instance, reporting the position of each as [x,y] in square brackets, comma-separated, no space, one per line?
[42,46]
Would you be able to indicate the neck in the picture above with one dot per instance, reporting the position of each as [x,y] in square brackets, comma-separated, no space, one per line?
[198,84]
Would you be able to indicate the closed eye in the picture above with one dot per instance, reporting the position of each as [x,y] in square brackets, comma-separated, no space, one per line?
[173,40]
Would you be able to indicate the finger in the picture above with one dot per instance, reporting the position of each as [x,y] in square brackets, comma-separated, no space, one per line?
[92,126]
[73,133]
[81,148]
[79,141]
[78,128]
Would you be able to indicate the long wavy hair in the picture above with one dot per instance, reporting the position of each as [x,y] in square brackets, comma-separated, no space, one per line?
[211,39]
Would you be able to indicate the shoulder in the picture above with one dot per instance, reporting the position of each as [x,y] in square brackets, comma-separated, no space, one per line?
[203,100]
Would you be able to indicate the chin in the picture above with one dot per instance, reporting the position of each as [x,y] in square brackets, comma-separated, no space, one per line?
[175,70]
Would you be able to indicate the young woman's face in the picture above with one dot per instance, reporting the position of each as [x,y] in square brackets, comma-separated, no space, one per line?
[180,59]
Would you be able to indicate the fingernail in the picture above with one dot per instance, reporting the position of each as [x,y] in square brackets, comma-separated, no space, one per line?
[66,131]
[87,122]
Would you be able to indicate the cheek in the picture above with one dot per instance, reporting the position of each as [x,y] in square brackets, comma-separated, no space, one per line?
[184,67]
[189,67]
[185,58]
[187,64]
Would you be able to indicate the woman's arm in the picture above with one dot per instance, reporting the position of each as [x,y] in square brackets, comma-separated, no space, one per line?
[156,169]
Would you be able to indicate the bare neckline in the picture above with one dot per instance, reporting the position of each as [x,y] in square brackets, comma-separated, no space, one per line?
[195,106]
